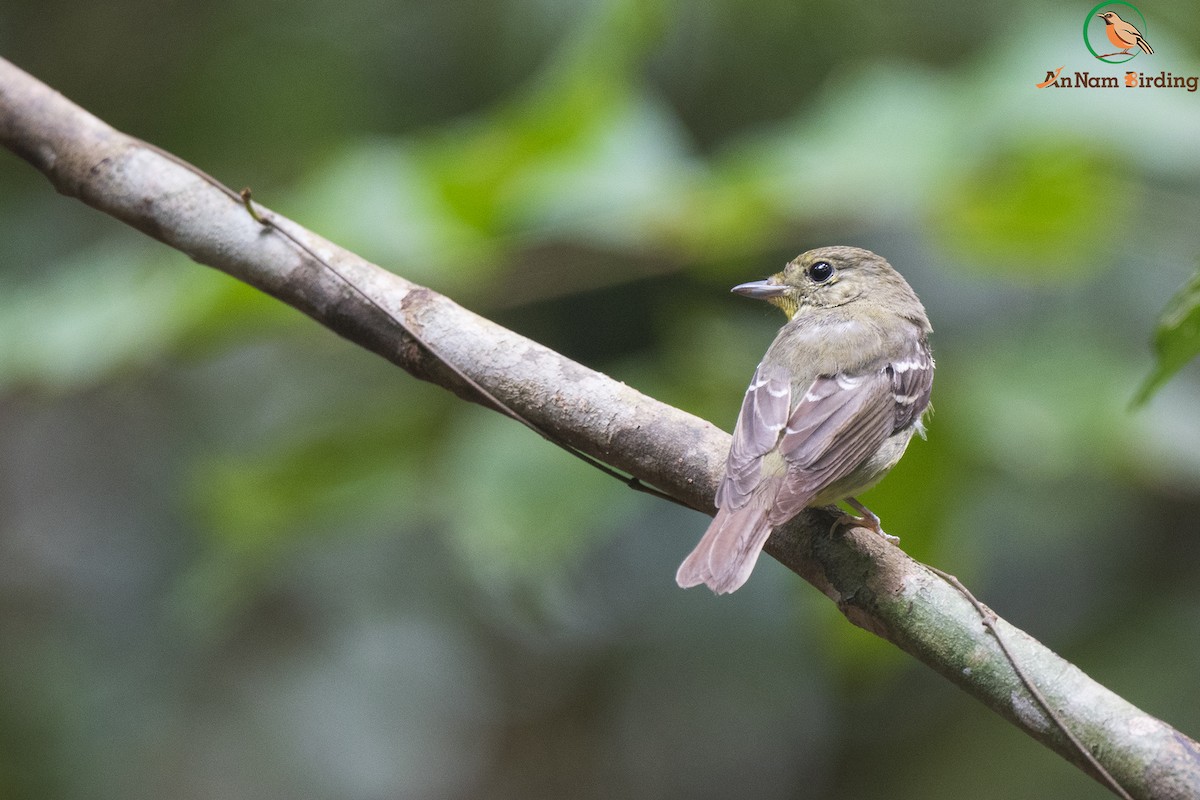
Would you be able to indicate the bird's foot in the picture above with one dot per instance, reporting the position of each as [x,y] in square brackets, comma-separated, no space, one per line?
[868,520]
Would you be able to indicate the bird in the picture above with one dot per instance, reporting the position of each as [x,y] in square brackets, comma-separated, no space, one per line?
[830,410]
[1122,34]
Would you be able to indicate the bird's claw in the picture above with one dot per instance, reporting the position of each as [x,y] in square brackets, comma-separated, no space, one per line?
[868,520]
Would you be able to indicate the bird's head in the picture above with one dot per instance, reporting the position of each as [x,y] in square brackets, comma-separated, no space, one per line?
[1109,17]
[834,276]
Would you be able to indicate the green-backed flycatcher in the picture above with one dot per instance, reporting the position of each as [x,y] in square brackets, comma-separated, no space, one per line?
[830,409]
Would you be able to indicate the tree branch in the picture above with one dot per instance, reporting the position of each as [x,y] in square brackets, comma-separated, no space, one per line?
[876,585]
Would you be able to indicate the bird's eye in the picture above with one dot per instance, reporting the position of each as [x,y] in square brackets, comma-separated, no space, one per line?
[820,271]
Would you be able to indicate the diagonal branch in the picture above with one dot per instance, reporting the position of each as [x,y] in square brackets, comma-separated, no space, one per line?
[876,585]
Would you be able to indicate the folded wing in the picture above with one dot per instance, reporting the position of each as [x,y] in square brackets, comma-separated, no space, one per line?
[788,447]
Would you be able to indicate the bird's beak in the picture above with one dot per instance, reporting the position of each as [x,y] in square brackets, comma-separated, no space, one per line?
[760,290]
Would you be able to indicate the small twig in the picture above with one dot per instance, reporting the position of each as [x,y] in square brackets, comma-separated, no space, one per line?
[254,215]
[989,618]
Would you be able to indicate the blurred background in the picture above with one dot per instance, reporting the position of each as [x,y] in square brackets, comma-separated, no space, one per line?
[241,558]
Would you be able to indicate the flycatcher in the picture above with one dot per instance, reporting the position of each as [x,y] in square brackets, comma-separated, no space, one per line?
[830,409]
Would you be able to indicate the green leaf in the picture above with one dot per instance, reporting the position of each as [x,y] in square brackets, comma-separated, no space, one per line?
[520,511]
[1177,340]
[362,460]
[477,168]
[115,306]
[1031,212]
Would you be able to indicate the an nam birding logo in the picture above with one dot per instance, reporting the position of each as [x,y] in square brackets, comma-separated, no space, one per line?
[1115,33]
[1121,36]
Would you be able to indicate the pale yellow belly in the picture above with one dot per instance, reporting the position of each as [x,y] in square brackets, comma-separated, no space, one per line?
[869,473]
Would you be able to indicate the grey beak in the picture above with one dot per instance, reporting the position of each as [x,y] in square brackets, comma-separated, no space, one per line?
[760,290]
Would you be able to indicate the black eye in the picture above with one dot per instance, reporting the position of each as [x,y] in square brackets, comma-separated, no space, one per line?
[820,271]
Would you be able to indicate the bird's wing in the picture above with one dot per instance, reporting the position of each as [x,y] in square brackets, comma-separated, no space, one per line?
[843,419]
[1126,32]
[836,424]
[729,548]
[760,424]
[912,383]
[839,421]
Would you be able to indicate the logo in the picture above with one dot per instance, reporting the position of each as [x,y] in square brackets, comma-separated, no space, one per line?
[1115,33]
[1104,28]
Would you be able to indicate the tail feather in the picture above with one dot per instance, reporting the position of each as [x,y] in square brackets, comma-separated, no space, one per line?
[1146,48]
[726,554]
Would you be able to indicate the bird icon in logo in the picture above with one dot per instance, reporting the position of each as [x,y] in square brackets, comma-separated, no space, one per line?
[1123,35]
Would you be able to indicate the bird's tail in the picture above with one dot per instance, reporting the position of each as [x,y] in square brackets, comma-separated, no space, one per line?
[728,550]
[1142,43]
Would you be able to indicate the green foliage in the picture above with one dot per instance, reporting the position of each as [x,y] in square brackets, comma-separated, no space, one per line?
[1041,212]
[118,307]
[1177,340]
[255,502]
[508,536]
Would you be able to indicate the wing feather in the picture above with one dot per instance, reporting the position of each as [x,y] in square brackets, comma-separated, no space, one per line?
[841,420]
[760,424]
[822,435]
[912,383]
[835,427]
